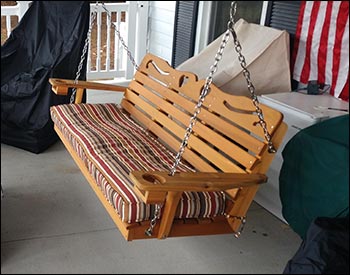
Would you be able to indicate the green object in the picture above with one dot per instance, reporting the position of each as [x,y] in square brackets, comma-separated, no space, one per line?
[314,178]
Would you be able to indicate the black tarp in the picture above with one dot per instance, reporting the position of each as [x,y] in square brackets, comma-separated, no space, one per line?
[325,250]
[47,42]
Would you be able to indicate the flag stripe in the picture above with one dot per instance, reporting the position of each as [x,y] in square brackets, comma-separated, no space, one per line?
[331,38]
[322,52]
[297,34]
[345,93]
[341,23]
[317,43]
[343,77]
[305,73]
[300,55]
[321,49]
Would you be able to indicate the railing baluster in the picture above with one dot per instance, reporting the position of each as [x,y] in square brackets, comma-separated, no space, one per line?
[116,44]
[119,49]
[8,25]
[98,42]
[108,46]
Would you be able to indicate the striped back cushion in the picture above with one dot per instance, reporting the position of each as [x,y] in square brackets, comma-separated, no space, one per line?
[111,145]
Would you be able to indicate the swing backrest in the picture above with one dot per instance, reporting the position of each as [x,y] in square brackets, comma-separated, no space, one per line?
[227,136]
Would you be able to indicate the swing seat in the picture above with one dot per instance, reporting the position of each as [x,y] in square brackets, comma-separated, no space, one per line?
[126,152]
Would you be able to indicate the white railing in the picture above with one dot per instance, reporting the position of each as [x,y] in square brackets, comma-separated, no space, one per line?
[107,58]
[102,62]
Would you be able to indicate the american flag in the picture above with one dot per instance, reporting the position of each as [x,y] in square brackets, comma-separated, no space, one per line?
[321,48]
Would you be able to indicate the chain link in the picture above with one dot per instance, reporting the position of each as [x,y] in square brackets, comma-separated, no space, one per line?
[246,74]
[83,55]
[153,221]
[243,220]
[205,91]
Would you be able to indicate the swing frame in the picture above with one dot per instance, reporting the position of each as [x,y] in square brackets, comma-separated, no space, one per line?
[150,99]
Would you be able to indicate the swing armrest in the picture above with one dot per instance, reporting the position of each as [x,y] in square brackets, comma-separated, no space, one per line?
[153,186]
[61,86]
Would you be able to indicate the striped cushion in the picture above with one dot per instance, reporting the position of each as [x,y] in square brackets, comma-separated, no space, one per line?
[111,145]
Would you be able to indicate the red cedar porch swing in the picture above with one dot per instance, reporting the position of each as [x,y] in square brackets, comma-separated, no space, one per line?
[127,155]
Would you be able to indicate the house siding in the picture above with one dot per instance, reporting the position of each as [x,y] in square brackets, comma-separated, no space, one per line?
[161,28]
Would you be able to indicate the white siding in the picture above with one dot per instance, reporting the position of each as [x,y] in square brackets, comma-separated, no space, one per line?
[161,28]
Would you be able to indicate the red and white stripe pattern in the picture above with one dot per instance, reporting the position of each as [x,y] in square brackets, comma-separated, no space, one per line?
[111,145]
[321,48]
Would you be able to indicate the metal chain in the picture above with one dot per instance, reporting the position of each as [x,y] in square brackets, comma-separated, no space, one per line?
[153,221]
[189,130]
[205,91]
[243,220]
[209,80]
[126,48]
[82,57]
[246,74]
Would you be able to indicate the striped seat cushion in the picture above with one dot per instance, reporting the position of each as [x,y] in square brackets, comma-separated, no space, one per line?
[111,145]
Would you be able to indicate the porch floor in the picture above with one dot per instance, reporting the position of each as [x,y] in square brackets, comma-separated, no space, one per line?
[52,222]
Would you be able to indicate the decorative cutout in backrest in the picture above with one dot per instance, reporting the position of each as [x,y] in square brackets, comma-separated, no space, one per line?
[160,70]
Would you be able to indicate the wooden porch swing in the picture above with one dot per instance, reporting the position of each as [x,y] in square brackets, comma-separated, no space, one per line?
[127,151]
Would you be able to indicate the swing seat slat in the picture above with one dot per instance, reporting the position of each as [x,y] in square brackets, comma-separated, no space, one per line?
[126,151]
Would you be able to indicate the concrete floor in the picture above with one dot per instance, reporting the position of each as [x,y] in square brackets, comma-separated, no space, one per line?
[52,222]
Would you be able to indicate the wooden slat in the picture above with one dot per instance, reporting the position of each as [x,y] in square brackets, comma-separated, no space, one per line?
[231,149]
[79,95]
[215,100]
[193,181]
[66,83]
[215,226]
[239,110]
[197,162]
[169,209]
[161,70]
[246,196]
[240,136]
[218,101]
[213,156]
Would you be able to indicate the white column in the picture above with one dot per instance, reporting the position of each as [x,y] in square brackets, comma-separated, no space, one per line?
[22,8]
[141,30]
[131,38]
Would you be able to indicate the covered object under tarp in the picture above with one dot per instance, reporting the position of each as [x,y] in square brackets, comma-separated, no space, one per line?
[47,42]
[266,54]
[314,177]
